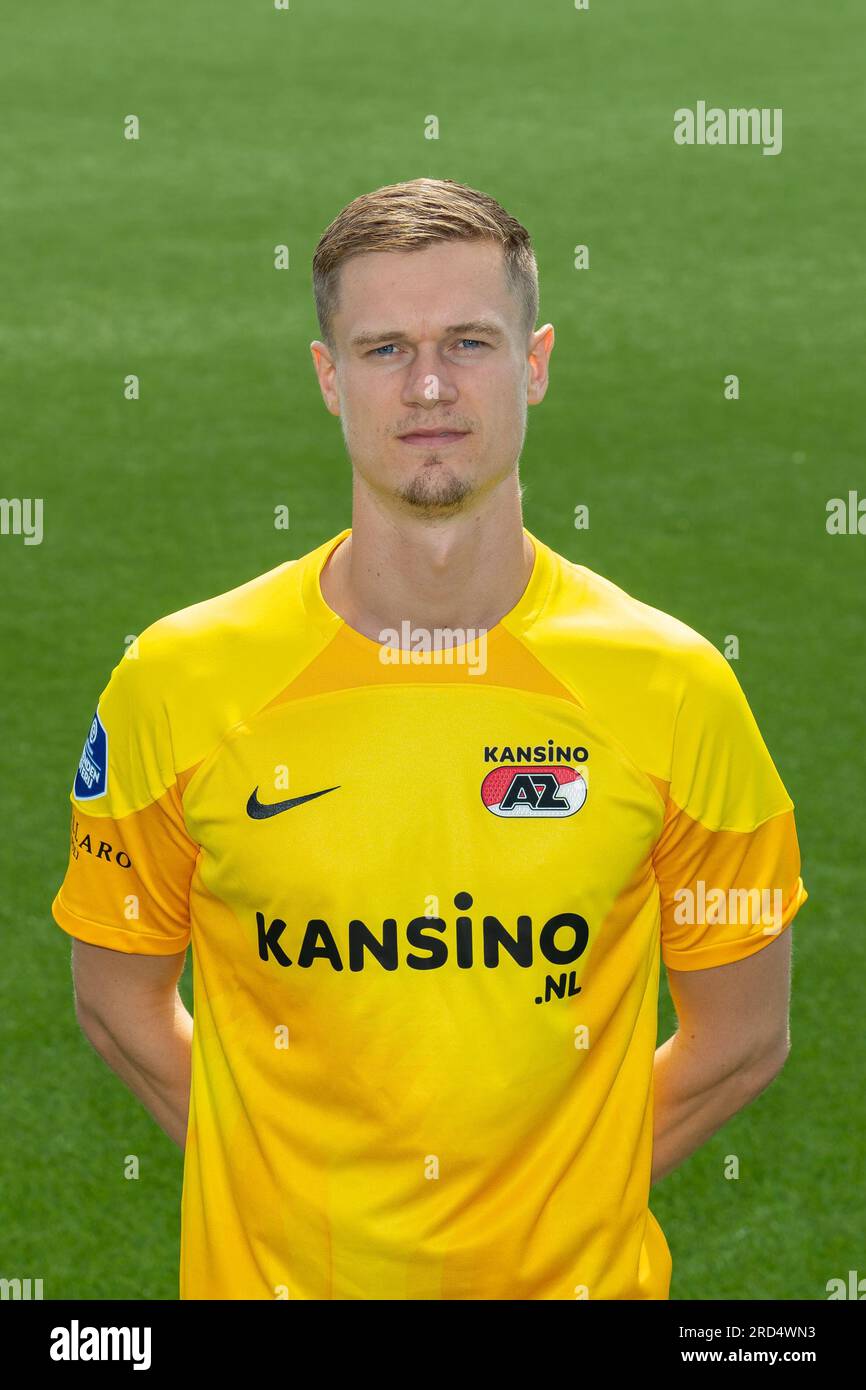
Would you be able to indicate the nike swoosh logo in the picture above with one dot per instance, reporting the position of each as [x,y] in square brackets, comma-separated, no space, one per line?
[260,811]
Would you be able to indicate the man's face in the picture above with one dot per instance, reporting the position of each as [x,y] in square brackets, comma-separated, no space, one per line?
[432,373]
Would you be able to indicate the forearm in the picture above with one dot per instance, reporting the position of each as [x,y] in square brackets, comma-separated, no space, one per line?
[694,1095]
[150,1050]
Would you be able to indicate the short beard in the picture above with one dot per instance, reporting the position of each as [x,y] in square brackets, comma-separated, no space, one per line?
[435,490]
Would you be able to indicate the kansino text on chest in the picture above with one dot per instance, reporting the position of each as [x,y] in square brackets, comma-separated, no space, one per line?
[428,942]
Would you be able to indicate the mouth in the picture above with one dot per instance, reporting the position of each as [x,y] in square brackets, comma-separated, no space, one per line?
[433,438]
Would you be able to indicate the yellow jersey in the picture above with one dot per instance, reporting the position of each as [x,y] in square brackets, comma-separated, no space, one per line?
[427,889]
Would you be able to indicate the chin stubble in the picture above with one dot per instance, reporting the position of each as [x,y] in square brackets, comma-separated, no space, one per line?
[435,491]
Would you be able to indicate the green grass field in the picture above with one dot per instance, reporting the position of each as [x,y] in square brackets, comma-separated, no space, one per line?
[155,257]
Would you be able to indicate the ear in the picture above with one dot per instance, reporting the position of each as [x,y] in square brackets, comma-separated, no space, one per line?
[326,371]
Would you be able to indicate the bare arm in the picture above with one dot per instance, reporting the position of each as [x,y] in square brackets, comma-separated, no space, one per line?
[732,1040]
[129,1009]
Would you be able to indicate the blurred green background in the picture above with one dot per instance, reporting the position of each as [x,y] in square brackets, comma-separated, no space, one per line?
[155,257]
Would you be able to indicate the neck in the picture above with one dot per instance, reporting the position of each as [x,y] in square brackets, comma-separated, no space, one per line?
[465,571]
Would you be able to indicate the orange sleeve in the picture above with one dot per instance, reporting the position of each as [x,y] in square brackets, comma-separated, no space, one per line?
[131,857]
[727,861]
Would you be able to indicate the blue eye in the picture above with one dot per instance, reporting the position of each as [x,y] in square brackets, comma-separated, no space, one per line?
[387,349]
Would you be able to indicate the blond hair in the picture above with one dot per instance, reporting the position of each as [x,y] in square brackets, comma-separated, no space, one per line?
[408,216]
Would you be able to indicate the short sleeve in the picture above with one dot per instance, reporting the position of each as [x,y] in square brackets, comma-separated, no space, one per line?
[727,861]
[131,857]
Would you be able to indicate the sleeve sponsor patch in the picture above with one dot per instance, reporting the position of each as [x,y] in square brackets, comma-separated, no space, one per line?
[91,779]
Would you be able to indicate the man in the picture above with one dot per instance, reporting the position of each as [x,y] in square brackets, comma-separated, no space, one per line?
[429,803]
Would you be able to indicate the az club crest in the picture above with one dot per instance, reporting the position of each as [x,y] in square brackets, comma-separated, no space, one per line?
[541,790]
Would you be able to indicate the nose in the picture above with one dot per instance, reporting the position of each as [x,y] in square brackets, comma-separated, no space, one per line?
[429,379]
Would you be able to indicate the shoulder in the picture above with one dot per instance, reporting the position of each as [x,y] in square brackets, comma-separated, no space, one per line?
[194,673]
[216,632]
[592,614]
[659,686]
